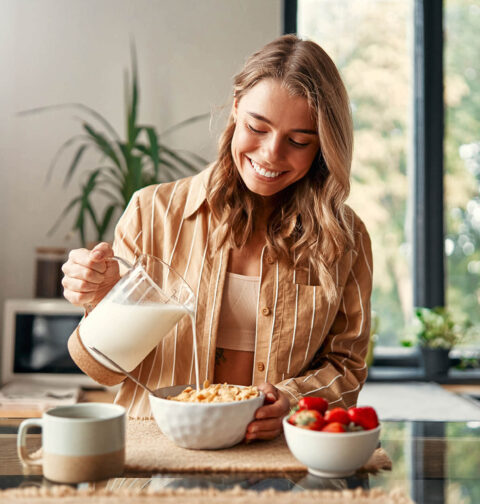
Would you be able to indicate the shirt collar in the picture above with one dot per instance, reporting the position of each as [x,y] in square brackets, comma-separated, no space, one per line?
[199,196]
[199,193]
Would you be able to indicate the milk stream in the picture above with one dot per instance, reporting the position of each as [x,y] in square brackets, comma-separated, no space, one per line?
[128,333]
[195,353]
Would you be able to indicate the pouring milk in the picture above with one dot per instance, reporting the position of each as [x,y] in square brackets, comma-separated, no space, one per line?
[139,311]
[113,328]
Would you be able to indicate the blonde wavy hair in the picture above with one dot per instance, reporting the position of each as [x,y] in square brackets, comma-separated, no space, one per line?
[313,207]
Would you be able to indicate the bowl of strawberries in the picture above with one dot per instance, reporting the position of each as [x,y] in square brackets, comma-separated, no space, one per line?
[333,442]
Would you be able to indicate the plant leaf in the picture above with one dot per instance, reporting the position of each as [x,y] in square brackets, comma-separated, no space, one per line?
[104,224]
[179,167]
[74,164]
[185,122]
[111,196]
[91,212]
[90,185]
[64,213]
[181,160]
[103,144]
[80,106]
[133,179]
[132,102]
[153,152]
[86,206]
[198,159]
[59,152]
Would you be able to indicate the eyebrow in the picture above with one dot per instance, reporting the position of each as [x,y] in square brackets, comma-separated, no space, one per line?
[298,130]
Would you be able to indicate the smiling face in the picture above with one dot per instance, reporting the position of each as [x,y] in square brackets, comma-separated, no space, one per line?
[275,139]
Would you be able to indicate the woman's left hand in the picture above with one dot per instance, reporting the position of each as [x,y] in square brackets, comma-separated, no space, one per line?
[268,418]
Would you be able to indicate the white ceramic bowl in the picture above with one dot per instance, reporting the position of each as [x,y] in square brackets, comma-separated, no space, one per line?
[331,454]
[203,426]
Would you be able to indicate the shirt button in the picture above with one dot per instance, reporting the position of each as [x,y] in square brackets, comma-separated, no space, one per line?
[270,260]
[261,366]
[266,311]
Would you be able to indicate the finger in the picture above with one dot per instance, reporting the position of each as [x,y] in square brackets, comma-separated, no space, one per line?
[98,257]
[101,251]
[95,259]
[276,409]
[264,435]
[79,298]
[269,390]
[82,258]
[78,285]
[82,273]
[78,256]
[264,425]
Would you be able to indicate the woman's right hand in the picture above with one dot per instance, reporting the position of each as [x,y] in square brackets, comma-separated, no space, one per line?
[89,275]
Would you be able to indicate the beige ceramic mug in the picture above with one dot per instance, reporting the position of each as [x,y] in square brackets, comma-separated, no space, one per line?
[81,442]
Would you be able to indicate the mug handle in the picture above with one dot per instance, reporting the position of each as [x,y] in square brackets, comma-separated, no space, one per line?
[23,454]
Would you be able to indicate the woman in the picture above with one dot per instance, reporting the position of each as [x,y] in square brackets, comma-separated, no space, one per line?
[280,265]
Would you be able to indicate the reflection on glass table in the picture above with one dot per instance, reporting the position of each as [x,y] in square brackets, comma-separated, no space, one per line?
[433,462]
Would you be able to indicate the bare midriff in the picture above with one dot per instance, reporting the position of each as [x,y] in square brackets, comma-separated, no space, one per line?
[234,367]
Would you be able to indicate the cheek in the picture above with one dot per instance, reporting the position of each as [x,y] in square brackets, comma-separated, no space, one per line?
[303,161]
[241,142]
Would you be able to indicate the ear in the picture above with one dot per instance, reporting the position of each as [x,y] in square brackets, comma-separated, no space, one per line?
[235,109]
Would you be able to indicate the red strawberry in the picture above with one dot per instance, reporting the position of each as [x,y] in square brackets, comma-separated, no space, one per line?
[337,415]
[334,427]
[365,417]
[313,403]
[307,419]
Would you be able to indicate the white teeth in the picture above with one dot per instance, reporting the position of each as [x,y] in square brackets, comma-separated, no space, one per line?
[262,171]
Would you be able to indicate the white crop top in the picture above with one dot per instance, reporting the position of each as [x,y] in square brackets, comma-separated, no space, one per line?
[238,314]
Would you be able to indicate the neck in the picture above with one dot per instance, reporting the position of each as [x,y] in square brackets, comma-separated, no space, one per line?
[264,208]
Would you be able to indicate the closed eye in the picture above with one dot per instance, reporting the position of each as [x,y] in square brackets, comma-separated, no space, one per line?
[292,141]
[298,144]
[251,128]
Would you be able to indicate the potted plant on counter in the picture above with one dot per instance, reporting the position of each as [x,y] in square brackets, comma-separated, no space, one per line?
[436,332]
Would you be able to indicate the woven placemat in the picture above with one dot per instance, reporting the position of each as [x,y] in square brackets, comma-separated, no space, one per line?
[70,495]
[148,450]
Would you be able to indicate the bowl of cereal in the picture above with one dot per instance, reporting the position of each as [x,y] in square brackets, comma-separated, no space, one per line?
[212,418]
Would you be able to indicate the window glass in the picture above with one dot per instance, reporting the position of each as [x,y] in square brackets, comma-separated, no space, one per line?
[462,157]
[371,44]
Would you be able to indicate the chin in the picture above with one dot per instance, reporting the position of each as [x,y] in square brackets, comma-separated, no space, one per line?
[262,191]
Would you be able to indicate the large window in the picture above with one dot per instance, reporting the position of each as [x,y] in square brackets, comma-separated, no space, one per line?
[399,153]
[371,43]
[462,155]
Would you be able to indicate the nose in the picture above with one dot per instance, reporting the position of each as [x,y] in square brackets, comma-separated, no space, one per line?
[272,148]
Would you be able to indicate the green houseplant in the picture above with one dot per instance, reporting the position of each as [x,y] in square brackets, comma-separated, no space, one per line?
[436,332]
[124,166]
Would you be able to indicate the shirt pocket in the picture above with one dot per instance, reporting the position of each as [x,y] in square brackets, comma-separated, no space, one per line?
[305,322]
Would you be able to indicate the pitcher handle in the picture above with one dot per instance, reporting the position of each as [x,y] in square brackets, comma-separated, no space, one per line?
[123,261]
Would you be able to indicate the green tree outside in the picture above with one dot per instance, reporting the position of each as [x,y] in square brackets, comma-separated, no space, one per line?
[371,43]
[462,156]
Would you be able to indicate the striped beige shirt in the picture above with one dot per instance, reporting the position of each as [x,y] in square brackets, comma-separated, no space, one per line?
[303,344]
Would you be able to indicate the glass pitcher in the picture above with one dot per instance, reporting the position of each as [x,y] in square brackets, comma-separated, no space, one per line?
[138,312]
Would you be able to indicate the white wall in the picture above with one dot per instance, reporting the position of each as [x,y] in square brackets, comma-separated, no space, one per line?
[59,51]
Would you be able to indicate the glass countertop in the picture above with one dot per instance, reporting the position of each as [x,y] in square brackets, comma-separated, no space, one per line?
[433,462]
